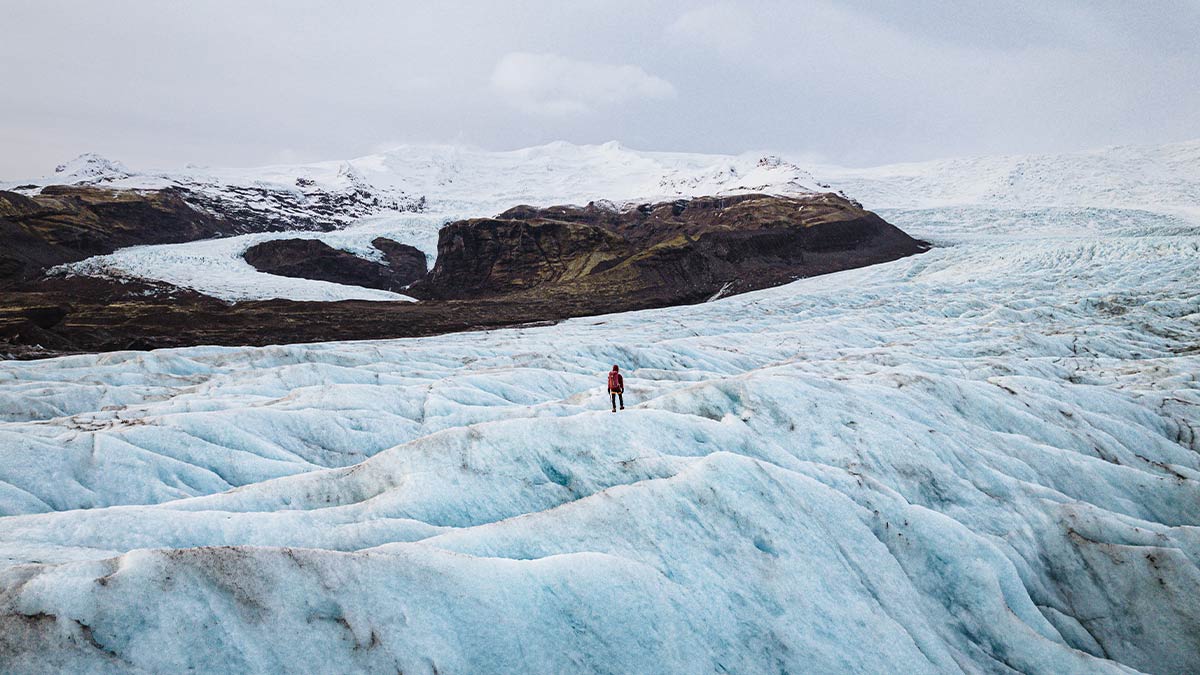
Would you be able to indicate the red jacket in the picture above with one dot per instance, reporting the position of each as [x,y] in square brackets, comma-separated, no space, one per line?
[615,381]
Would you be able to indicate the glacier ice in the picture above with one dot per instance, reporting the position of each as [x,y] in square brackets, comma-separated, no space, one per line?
[982,459]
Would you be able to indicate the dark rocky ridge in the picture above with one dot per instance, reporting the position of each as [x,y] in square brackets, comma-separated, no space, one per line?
[407,263]
[64,224]
[525,266]
[68,223]
[314,259]
[668,253]
[306,208]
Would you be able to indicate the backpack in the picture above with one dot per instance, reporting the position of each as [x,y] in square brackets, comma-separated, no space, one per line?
[615,382]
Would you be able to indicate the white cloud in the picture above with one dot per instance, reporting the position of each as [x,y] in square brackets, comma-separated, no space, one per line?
[861,81]
[720,26]
[555,85]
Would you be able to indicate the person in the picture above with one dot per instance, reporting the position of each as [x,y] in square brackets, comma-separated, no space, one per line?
[616,388]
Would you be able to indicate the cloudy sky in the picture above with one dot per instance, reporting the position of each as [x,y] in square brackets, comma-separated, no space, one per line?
[856,82]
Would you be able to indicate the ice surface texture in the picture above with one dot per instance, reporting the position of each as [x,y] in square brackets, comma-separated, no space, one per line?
[982,459]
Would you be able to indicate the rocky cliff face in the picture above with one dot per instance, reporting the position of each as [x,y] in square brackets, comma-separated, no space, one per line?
[525,265]
[407,263]
[656,254]
[65,223]
[314,259]
[493,256]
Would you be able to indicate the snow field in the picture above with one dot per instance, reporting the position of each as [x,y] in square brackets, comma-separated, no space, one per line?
[977,460]
[982,459]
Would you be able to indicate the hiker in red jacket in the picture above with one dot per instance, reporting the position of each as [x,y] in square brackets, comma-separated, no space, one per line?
[616,387]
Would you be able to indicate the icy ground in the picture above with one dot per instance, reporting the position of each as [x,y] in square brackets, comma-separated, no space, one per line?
[982,459]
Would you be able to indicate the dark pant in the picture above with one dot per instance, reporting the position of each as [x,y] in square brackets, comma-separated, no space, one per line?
[617,395]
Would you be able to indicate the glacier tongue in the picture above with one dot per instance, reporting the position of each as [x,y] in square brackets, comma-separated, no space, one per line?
[982,459]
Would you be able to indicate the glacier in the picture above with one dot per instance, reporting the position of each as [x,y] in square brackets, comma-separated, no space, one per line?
[448,182]
[982,459]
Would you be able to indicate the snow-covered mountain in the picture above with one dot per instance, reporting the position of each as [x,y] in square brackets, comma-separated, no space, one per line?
[87,168]
[405,194]
[1135,176]
[456,178]
[408,193]
[982,459]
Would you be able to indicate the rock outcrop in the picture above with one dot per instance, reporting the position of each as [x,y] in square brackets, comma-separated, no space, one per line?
[407,263]
[658,254]
[314,259]
[68,223]
[527,265]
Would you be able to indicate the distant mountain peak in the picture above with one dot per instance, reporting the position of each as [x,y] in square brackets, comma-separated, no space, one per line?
[90,166]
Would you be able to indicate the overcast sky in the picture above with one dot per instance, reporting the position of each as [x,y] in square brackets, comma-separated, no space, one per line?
[856,82]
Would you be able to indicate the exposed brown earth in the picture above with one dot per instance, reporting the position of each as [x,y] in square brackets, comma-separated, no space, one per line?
[661,254]
[314,259]
[75,315]
[63,224]
[525,266]
[407,263]
[69,223]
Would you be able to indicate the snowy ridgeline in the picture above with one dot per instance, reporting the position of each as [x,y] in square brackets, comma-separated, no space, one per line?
[982,459]
[406,194]
[376,196]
